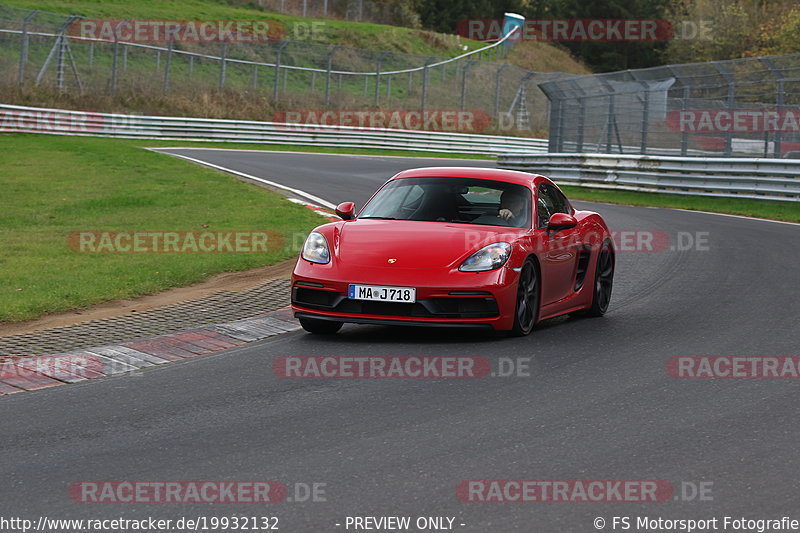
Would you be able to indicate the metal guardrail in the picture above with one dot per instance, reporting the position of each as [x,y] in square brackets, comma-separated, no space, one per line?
[763,179]
[20,119]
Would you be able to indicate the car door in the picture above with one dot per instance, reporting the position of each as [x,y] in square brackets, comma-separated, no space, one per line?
[559,255]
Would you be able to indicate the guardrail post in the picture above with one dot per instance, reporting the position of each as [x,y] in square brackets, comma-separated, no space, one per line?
[24,45]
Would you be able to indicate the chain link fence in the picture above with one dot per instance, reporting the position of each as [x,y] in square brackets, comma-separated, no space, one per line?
[745,107]
[39,50]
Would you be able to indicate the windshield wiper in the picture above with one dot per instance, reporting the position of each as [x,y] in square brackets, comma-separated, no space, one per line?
[381,218]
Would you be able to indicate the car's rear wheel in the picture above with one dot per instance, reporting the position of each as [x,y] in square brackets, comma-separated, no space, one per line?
[320,327]
[603,281]
[526,311]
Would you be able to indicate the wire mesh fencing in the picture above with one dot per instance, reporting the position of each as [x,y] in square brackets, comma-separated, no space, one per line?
[745,107]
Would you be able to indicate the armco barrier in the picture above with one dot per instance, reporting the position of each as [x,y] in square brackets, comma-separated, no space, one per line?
[22,119]
[763,179]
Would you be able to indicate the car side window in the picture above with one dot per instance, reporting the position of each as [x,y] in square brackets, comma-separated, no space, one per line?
[549,201]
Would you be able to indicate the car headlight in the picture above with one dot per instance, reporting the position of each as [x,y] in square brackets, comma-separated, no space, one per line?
[316,249]
[487,258]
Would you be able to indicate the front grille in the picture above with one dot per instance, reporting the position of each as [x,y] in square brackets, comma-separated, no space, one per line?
[483,307]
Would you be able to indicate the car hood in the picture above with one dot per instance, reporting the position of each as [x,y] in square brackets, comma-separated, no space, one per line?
[413,244]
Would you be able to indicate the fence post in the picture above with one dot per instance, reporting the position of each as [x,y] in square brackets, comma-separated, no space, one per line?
[645,119]
[328,76]
[278,53]
[125,58]
[305,8]
[23,53]
[498,75]
[684,133]
[114,59]
[464,82]
[781,86]
[167,66]
[223,64]
[731,101]
[425,73]
[378,76]
[191,66]
[91,54]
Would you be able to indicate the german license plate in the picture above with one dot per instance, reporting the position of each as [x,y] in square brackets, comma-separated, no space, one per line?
[380,293]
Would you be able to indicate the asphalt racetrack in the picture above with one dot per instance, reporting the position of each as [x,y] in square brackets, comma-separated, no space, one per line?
[596,402]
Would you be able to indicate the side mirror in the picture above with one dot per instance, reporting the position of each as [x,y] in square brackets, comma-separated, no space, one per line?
[561,221]
[346,210]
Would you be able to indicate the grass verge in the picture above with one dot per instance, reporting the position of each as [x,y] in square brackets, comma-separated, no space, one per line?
[54,186]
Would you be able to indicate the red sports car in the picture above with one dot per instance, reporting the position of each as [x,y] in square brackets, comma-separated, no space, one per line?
[456,247]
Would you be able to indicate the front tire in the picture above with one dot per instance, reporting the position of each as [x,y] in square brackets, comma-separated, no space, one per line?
[526,310]
[320,327]
[603,281]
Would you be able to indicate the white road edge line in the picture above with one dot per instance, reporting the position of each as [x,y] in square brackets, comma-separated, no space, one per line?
[298,192]
[736,216]
[320,153]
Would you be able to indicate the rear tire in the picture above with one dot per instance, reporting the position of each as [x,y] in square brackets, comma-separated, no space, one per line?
[526,310]
[320,327]
[603,281]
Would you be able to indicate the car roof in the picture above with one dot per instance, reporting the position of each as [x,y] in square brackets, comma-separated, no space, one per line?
[496,174]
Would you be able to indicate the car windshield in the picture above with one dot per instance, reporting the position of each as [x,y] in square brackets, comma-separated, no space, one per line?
[445,199]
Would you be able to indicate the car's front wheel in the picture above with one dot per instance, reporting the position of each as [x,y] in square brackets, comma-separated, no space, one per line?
[526,311]
[321,327]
